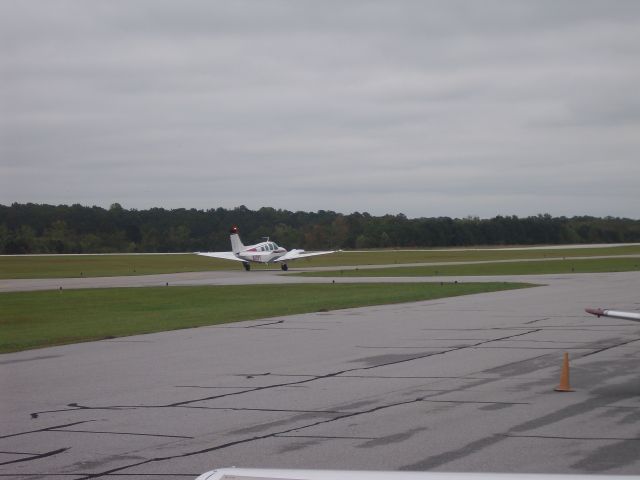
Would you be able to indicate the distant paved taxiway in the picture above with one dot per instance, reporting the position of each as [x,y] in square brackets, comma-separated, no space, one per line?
[456,384]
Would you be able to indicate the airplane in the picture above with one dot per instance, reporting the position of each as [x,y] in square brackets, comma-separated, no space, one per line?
[286,474]
[605,312]
[263,252]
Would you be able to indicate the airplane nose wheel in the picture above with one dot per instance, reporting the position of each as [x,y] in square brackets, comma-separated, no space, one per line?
[247,266]
[284,267]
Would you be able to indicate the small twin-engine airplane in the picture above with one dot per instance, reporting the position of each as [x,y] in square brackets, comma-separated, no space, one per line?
[604,312]
[264,252]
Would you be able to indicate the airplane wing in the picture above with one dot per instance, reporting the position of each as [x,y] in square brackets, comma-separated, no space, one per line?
[283,474]
[604,312]
[295,254]
[223,255]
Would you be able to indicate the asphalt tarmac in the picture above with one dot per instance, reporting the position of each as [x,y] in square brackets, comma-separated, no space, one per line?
[457,384]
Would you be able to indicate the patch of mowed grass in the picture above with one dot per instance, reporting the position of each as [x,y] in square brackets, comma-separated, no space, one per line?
[39,319]
[390,257]
[73,266]
[595,265]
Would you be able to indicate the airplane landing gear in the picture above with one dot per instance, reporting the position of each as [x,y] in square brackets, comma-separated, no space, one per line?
[284,267]
[246,265]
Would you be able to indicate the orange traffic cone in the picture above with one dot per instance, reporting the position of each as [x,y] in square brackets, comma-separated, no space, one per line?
[564,376]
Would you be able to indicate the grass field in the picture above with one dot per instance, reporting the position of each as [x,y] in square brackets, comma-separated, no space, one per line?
[593,265]
[389,257]
[70,266]
[39,319]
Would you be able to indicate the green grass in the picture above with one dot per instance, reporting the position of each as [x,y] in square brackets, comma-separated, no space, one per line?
[72,266]
[39,319]
[507,268]
[390,257]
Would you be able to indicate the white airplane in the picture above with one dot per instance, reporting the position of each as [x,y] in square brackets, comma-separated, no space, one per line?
[285,474]
[263,252]
[605,312]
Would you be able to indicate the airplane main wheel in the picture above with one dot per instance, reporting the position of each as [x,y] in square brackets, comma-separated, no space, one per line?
[247,266]
[284,267]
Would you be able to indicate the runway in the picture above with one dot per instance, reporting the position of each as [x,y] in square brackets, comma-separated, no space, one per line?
[457,384]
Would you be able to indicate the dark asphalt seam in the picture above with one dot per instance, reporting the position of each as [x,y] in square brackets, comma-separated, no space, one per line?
[610,347]
[537,348]
[247,440]
[271,435]
[537,320]
[299,382]
[330,375]
[560,437]
[335,374]
[121,433]
[19,453]
[214,387]
[328,437]
[286,410]
[75,406]
[263,324]
[290,328]
[409,377]
[36,457]
[394,348]
[478,401]
[55,427]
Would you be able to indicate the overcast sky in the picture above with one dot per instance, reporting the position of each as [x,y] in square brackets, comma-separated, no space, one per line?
[427,108]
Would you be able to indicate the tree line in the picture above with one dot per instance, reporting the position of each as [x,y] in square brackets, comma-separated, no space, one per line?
[41,228]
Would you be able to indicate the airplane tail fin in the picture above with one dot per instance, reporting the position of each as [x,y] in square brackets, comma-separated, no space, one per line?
[236,243]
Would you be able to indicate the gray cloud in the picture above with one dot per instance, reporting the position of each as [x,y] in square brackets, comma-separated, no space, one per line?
[427,108]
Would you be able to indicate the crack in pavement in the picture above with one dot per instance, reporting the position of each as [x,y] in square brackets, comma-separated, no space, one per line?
[123,433]
[340,415]
[36,457]
[263,324]
[328,437]
[247,409]
[55,427]
[609,347]
[562,437]
[298,382]
[248,440]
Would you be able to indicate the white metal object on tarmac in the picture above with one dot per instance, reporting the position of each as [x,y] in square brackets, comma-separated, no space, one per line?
[605,312]
[285,474]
